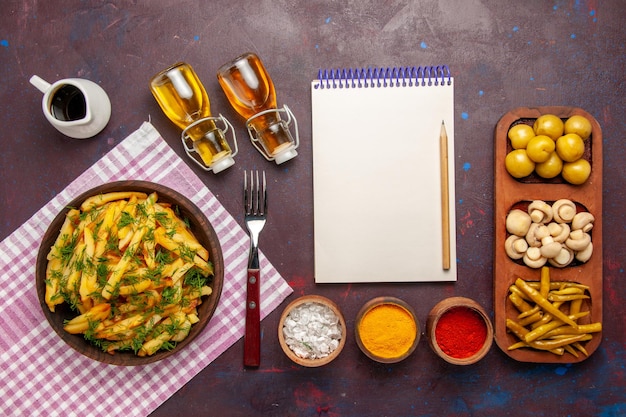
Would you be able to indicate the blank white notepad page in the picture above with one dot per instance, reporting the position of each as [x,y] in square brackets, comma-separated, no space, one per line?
[377,187]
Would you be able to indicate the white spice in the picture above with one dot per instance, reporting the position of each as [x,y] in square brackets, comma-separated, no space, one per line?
[312,330]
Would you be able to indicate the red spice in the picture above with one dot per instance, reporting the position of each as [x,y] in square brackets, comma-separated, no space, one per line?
[460,332]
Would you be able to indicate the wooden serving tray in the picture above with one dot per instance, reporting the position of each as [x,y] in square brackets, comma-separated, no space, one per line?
[512,193]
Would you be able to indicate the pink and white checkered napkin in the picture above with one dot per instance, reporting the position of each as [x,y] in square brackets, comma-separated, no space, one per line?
[41,375]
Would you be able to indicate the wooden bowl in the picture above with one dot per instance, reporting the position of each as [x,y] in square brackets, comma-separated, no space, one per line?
[307,362]
[511,193]
[447,305]
[201,228]
[367,308]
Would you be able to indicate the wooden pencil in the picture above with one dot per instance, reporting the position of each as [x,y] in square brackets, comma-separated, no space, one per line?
[445,196]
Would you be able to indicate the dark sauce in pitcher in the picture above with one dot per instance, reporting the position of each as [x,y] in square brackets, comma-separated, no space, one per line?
[68,104]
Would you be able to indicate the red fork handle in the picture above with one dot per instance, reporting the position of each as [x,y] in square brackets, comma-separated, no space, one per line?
[252,338]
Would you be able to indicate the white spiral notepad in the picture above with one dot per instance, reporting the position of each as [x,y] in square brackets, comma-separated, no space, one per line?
[376,174]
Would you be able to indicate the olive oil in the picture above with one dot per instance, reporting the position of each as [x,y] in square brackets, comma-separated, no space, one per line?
[184,101]
[251,93]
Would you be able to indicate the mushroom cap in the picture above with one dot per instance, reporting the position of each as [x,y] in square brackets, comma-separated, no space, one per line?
[515,247]
[533,259]
[540,211]
[550,250]
[533,236]
[578,240]
[559,231]
[585,254]
[563,210]
[583,220]
[564,258]
[518,222]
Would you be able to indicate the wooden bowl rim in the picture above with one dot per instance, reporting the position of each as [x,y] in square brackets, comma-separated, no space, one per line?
[378,301]
[203,230]
[312,363]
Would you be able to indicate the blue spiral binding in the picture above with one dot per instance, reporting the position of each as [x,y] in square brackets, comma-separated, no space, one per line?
[381,77]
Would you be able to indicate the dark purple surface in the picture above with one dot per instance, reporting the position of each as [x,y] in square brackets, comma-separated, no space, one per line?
[568,53]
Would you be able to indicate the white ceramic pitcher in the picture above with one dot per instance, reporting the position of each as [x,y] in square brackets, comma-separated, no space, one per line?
[76,107]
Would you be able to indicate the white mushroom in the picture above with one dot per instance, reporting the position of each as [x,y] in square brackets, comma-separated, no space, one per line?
[518,222]
[531,237]
[583,221]
[564,258]
[540,211]
[546,240]
[585,254]
[533,258]
[515,247]
[536,232]
[563,210]
[542,232]
[578,240]
[559,231]
[550,250]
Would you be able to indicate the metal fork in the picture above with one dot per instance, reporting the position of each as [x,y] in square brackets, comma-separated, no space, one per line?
[255,209]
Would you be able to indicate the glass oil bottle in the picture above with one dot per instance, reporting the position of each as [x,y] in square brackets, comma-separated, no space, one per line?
[251,92]
[184,101]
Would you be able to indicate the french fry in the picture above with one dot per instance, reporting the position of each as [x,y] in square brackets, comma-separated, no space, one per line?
[180,272]
[192,244]
[67,230]
[180,233]
[101,199]
[139,302]
[149,244]
[183,331]
[171,268]
[153,345]
[125,233]
[80,324]
[136,288]
[123,264]
[72,273]
[88,275]
[169,328]
[107,226]
[53,295]
[121,327]
[161,238]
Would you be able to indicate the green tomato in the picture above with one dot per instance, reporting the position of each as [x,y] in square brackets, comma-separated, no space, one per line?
[539,148]
[520,135]
[518,164]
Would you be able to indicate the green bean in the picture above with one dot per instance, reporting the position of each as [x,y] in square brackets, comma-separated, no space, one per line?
[518,330]
[530,312]
[582,329]
[556,343]
[553,325]
[543,303]
[548,317]
[571,297]
[558,285]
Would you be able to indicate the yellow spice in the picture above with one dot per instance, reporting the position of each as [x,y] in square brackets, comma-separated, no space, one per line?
[387,330]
